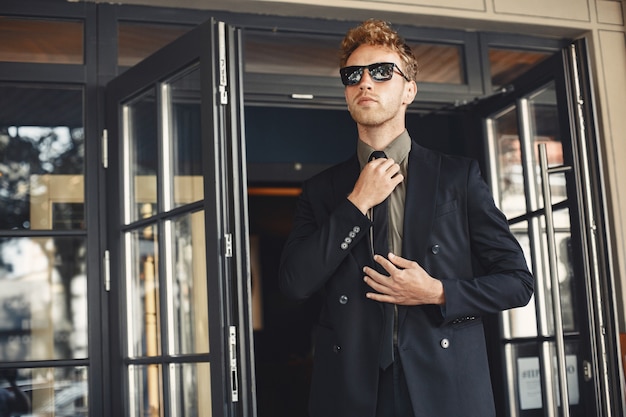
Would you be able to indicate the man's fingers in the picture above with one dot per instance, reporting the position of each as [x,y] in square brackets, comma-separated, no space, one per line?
[401,262]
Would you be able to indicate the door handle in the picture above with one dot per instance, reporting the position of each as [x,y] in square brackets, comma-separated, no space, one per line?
[557,309]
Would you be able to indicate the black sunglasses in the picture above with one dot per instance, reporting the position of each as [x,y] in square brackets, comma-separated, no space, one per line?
[380,71]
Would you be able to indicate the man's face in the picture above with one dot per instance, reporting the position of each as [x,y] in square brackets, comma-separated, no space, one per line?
[375,103]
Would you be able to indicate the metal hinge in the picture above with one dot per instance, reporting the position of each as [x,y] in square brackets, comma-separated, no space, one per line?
[105,148]
[587,371]
[223,75]
[107,271]
[228,240]
[232,343]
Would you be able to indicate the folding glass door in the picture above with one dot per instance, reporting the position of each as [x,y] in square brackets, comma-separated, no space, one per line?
[177,232]
[553,350]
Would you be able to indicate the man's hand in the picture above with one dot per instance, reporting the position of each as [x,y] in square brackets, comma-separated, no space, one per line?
[375,183]
[407,284]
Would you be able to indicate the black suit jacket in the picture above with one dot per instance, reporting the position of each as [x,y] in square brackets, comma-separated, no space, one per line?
[454,231]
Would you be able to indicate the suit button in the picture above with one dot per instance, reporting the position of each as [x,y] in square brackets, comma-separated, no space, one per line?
[435,249]
[336,348]
[344,245]
[356,229]
[343,299]
[445,343]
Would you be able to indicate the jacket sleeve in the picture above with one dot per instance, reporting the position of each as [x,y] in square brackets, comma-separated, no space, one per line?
[322,237]
[501,280]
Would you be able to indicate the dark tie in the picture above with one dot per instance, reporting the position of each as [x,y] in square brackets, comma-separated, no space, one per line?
[380,220]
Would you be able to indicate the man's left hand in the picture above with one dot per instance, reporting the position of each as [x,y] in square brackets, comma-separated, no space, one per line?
[407,284]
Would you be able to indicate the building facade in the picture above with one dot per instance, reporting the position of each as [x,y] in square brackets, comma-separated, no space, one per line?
[151,153]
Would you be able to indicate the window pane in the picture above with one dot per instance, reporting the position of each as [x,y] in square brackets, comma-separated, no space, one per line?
[507,64]
[185,141]
[189,286]
[41,41]
[141,164]
[190,388]
[136,41]
[439,63]
[43,299]
[52,392]
[307,55]
[143,316]
[292,54]
[145,390]
[42,150]
[509,174]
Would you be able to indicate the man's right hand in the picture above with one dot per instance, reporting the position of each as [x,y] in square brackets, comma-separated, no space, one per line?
[375,183]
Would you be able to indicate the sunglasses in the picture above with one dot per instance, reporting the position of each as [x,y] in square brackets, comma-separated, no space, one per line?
[380,71]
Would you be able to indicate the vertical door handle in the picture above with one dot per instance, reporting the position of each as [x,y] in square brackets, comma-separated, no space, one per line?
[554,276]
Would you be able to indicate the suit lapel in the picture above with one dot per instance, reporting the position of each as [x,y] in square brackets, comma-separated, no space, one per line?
[420,201]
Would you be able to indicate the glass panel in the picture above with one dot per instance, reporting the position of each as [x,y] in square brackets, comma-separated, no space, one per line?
[190,388]
[185,142]
[522,321]
[143,317]
[284,53]
[50,392]
[43,299]
[545,129]
[41,41]
[439,63]
[42,151]
[291,54]
[136,41]
[191,320]
[145,390]
[142,143]
[507,64]
[527,362]
[510,173]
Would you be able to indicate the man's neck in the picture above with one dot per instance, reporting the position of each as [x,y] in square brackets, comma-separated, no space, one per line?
[379,137]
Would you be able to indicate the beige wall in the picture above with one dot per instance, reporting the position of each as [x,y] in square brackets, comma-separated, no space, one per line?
[600,21]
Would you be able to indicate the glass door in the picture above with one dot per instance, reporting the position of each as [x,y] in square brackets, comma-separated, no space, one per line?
[555,353]
[177,238]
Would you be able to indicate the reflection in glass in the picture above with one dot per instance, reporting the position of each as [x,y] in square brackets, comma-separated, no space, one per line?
[184,176]
[294,54]
[439,63]
[545,129]
[510,175]
[190,388]
[53,392]
[42,155]
[528,362]
[508,64]
[143,316]
[135,41]
[521,321]
[43,299]
[189,288]
[141,162]
[145,390]
[41,41]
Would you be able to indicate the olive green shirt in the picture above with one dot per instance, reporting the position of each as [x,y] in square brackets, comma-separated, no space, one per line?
[398,150]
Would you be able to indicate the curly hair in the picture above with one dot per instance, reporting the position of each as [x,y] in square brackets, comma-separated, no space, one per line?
[378,33]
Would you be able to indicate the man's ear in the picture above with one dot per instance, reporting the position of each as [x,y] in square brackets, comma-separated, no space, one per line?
[410,91]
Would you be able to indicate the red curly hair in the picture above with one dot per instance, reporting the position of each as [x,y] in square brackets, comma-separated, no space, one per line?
[378,33]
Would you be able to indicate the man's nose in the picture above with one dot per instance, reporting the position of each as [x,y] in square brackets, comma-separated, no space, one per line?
[366,80]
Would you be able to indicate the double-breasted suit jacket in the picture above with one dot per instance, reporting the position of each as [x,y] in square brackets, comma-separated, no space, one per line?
[454,231]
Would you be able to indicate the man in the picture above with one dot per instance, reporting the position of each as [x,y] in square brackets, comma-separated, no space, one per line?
[400,332]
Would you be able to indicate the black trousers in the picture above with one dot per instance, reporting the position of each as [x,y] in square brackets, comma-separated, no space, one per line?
[393,393]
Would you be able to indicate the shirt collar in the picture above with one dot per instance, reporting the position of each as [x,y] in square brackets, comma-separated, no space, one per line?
[397,150]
